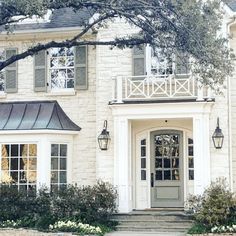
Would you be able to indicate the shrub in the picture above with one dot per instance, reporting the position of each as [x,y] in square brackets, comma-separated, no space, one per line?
[216,206]
[87,204]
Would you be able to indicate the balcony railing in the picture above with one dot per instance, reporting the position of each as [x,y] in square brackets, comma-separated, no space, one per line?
[147,88]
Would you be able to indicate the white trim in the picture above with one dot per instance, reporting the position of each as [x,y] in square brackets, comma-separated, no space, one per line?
[43,131]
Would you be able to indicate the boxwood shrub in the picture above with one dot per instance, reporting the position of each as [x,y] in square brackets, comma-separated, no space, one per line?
[87,204]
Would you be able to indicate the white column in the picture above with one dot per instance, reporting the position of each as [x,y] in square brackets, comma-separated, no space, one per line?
[201,153]
[122,164]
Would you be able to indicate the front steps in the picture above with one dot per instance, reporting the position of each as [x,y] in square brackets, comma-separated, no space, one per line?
[154,221]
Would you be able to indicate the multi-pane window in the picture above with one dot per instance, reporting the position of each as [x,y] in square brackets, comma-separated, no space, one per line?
[167,157]
[190,159]
[143,159]
[19,165]
[58,166]
[160,64]
[61,71]
[164,65]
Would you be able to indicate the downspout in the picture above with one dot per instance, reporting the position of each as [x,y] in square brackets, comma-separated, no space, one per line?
[229,24]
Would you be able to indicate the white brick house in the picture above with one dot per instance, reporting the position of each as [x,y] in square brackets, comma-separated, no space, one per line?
[160,120]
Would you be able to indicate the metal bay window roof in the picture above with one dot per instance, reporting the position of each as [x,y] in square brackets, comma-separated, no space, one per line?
[34,115]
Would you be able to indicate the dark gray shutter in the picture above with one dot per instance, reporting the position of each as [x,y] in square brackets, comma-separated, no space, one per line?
[40,71]
[182,65]
[81,78]
[139,64]
[11,72]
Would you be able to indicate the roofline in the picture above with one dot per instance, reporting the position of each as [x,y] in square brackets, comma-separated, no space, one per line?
[31,31]
[38,131]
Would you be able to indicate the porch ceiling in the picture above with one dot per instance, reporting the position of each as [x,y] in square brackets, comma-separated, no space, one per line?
[34,115]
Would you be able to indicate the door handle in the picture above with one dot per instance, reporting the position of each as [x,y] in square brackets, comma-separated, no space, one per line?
[152,180]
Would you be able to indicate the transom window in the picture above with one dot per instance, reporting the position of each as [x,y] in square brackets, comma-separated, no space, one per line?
[58,166]
[62,73]
[19,165]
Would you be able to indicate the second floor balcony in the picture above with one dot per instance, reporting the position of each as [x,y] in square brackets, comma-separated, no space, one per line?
[171,88]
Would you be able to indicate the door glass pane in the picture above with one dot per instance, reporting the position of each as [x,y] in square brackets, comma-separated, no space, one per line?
[167,157]
[143,163]
[143,151]
[175,174]
[143,174]
[167,175]
[158,163]
[159,175]
[166,163]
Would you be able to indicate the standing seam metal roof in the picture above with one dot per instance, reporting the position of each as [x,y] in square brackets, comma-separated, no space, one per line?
[34,115]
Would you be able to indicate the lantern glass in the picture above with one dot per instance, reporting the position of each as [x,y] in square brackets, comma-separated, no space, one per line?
[218,138]
[104,140]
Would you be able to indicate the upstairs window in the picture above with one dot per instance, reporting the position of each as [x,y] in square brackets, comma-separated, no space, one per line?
[147,61]
[62,70]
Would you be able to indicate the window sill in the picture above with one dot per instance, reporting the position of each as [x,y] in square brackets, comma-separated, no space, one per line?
[62,93]
[3,95]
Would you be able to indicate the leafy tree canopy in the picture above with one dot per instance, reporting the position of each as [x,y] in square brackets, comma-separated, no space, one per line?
[191,27]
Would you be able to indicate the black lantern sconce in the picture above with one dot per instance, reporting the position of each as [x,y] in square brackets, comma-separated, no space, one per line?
[218,136]
[104,138]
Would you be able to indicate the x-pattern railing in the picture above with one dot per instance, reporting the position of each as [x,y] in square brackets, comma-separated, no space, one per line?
[157,87]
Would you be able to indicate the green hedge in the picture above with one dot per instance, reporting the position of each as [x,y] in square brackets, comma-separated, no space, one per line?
[88,204]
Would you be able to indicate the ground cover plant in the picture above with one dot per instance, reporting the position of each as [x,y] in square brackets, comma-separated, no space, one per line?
[86,209]
[215,210]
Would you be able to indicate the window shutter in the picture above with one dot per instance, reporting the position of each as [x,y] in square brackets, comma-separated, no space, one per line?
[81,64]
[139,66]
[40,71]
[182,64]
[11,72]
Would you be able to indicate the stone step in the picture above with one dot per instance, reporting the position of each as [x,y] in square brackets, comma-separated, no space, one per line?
[157,223]
[151,217]
[151,229]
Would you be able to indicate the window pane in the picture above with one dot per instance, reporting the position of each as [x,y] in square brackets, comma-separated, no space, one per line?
[5,164]
[190,163]
[143,151]
[54,150]
[54,177]
[14,164]
[5,151]
[143,142]
[14,176]
[32,150]
[166,163]
[63,177]
[63,150]
[159,175]
[175,174]
[143,162]
[32,177]
[190,150]
[143,174]
[175,163]
[158,163]
[32,164]
[54,163]
[14,150]
[63,164]
[167,175]
[158,151]
[191,174]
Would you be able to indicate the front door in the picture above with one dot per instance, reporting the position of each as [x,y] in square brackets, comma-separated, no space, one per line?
[166,168]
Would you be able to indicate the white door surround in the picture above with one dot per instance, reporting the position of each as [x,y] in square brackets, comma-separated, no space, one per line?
[124,114]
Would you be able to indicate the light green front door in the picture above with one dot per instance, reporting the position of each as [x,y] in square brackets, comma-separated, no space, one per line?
[167,168]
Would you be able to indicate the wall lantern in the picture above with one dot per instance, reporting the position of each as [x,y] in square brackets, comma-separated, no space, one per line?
[218,136]
[104,138]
